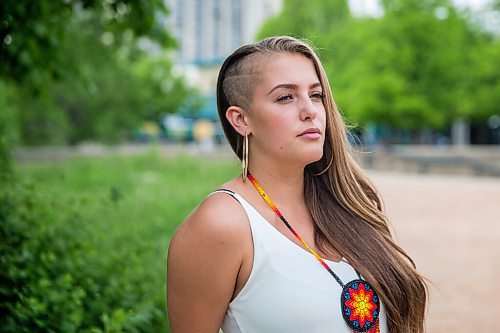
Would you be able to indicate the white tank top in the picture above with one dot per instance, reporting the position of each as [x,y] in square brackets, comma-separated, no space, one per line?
[288,290]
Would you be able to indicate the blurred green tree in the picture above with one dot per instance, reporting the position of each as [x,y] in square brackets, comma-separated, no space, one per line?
[412,61]
[483,83]
[483,73]
[32,33]
[307,20]
[104,78]
[7,132]
[117,89]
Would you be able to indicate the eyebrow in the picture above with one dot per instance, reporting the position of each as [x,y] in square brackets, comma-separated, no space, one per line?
[292,86]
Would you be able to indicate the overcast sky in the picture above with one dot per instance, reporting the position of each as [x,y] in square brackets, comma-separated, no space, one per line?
[371,7]
[471,3]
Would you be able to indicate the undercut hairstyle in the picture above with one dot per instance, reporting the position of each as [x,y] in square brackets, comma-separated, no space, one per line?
[240,80]
[346,208]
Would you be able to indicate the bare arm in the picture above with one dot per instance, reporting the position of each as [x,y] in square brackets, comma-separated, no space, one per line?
[204,258]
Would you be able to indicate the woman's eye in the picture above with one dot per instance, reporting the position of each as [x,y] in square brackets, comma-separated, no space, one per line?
[317,95]
[284,98]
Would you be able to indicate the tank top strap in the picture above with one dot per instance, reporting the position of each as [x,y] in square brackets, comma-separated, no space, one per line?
[223,190]
[253,216]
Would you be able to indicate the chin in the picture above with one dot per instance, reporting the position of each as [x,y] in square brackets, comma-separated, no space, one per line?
[313,155]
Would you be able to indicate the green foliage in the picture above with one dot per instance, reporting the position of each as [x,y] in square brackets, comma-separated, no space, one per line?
[83,242]
[117,89]
[8,134]
[483,82]
[86,70]
[5,158]
[40,262]
[161,90]
[307,20]
[32,33]
[37,120]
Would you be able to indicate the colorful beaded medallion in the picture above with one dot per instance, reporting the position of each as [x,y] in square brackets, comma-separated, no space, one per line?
[359,302]
[360,306]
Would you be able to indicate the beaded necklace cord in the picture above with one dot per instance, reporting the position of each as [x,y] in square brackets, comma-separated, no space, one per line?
[359,302]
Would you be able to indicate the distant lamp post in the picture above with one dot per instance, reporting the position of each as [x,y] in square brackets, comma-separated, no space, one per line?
[494,125]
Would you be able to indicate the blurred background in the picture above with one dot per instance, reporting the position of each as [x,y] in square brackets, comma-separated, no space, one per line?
[109,137]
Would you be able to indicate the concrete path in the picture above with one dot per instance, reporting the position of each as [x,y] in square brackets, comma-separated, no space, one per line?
[450,226]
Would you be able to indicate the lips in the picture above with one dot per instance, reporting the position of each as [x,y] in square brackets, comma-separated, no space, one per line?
[311,133]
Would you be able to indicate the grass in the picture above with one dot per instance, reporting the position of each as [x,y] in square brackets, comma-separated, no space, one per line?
[130,207]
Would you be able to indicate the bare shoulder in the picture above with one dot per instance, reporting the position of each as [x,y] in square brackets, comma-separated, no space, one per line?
[204,259]
[218,217]
[215,228]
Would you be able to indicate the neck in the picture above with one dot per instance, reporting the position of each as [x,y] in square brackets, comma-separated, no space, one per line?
[283,184]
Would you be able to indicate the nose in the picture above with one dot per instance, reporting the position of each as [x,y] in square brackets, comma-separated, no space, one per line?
[307,109]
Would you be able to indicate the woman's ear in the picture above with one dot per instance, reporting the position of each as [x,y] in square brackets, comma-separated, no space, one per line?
[238,118]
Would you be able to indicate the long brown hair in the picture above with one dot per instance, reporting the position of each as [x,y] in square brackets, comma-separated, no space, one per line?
[345,206]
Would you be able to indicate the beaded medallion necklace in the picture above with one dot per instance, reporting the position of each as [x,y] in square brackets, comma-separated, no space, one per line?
[359,302]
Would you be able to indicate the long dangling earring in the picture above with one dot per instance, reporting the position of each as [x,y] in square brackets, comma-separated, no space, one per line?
[244,158]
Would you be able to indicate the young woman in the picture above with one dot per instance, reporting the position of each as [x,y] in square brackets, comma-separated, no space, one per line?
[300,242]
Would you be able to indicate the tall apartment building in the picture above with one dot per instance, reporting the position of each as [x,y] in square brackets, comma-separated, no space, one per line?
[209,30]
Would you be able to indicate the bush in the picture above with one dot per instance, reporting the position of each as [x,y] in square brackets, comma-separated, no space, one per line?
[83,242]
[7,130]
[41,287]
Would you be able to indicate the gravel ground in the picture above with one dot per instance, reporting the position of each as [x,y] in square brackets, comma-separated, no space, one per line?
[450,226]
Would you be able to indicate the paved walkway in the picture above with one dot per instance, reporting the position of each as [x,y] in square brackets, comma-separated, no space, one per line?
[450,226]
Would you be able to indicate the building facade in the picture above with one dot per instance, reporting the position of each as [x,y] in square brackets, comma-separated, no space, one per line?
[209,30]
